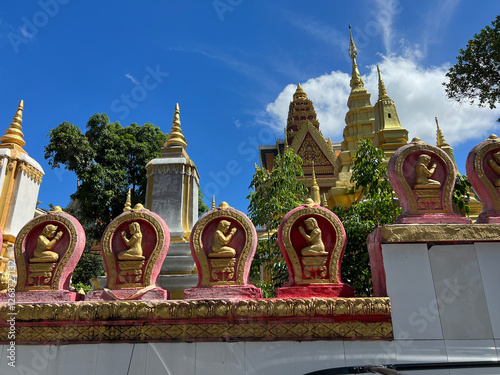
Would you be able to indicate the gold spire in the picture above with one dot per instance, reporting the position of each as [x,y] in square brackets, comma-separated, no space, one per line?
[176,138]
[128,202]
[213,201]
[299,93]
[382,93]
[440,137]
[14,134]
[356,80]
[325,201]
[315,196]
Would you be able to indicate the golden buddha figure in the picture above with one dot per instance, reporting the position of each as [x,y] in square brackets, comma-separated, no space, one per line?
[134,243]
[45,243]
[423,171]
[495,165]
[222,237]
[315,243]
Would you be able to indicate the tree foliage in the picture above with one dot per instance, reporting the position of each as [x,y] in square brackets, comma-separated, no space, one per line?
[476,75]
[375,207]
[273,195]
[461,195]
[107,160]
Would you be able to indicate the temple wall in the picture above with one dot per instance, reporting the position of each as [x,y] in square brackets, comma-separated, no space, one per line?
[262,358]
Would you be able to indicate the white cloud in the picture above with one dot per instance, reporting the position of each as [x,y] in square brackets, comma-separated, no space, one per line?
[384,16]
[131,77]
[26,34]
[417,92]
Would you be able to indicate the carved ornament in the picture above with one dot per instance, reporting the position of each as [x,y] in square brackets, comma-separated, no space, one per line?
[214,270]
[134,273]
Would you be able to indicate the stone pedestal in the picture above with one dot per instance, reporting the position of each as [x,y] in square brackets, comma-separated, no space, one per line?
[177,271]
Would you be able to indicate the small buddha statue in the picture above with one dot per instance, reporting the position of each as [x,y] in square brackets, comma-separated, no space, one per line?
[495,165]
[222,237]
[315,243]
[423,171]
[46,241]
[134,243]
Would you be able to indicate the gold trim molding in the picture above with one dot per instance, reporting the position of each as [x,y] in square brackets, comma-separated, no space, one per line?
[201,320]
[440,233]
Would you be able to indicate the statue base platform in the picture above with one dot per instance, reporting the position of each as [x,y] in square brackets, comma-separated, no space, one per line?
[156,294]
[40,296]
[223,292]
[315,290]
[431,218]
[488,218]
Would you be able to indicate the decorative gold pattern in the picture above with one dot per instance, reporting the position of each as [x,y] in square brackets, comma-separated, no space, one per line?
[223,269]
[416,146]
[201,320]
[30,171]
[316,136]
[221,213]
[110,256]
[60,265]
[294,258]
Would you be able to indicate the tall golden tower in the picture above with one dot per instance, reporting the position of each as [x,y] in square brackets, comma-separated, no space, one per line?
[390,135]
[442,144]
[20,179]
[300,111]
[360,120]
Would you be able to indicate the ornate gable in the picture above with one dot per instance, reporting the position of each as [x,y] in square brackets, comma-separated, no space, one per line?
[310,145]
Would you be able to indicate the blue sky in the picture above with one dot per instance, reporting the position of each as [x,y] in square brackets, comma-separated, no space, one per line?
[231,65]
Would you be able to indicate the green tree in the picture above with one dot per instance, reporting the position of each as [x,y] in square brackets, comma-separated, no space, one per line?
[476,75]
[202,207]
[273,195]
[107,160]
[375,207]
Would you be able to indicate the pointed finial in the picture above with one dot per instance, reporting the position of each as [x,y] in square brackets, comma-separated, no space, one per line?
[176,138]
[382,93]
[299,93]
[356,80]
[14,134]
[128,202]
[325,201]
[213,201]
[314,175]
[315,195]
[441,142]
[353,52]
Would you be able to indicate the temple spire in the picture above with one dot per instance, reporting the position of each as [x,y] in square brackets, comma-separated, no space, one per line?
[13,134]
[441,143]
[440,137]
[356,80]
[176,138]
[128,202]
[213,202]
[382,93]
